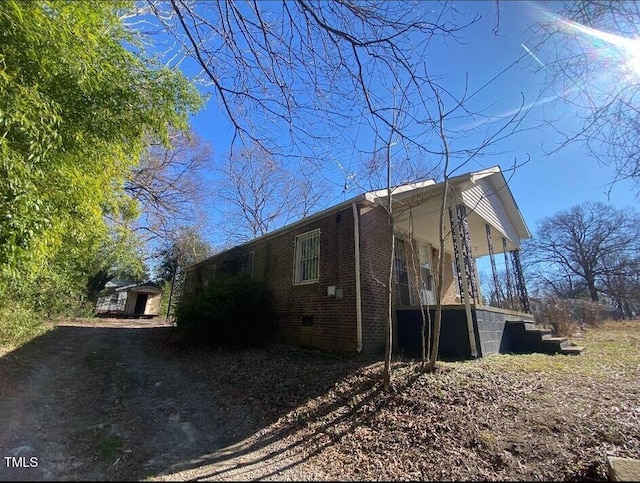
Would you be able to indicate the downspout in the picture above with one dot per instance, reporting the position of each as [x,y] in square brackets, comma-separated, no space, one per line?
[356,237]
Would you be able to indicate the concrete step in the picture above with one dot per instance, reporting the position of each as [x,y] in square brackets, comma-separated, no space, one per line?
[572,350]
[542,332]
[553,339]
[527,337]
[553,345]
[522,324]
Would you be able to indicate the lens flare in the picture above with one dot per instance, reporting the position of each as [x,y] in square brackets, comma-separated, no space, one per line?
[622,49]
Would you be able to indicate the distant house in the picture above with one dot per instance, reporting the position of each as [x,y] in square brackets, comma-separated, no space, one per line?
[129,300]
[327,272]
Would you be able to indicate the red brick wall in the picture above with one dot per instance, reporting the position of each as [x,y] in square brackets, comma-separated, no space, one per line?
[375,252]
[449,283]
[334,321]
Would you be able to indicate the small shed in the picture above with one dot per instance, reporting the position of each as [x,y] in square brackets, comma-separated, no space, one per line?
[132,300]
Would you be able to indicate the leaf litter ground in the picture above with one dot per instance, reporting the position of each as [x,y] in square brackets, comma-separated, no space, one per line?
[106,400]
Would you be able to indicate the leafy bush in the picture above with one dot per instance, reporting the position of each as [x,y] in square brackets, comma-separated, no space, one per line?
[228,311]
[27,309]
[19,324]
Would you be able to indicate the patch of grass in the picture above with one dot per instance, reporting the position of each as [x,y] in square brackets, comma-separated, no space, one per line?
[19,325]
[106,443]
[150,476]
[109,447]
[612,348]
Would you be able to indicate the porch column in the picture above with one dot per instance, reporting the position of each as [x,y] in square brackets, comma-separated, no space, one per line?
[458,229]
[467,264]
[494,270]
[521,287]
[456,250]
[507,275]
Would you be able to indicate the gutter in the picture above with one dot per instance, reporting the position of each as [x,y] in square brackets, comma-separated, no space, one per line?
[356,237]
[279,231]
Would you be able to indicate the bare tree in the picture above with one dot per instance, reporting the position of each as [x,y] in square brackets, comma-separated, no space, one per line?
[262,194]
[422,284]
[622,284]
[168,185]
[298,78]
[294,77]
[591,56]
[584,247]
[496,290]
[451,160]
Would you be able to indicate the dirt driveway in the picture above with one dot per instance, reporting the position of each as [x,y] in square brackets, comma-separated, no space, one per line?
[116,400]
[119,399]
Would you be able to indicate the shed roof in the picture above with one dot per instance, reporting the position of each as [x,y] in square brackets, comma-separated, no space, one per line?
[149,287]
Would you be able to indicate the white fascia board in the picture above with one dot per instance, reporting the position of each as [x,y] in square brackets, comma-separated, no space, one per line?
[373,196]
[511,206]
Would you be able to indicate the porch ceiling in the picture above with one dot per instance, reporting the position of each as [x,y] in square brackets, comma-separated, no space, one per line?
[426,217]
[487,198]
[484,205]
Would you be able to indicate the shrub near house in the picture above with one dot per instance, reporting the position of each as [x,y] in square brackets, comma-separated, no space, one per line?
[230,311]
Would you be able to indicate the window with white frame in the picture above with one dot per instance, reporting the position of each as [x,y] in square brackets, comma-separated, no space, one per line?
[306,268]
[426,276]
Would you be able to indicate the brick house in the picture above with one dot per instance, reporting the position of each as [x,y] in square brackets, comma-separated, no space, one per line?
[327,271]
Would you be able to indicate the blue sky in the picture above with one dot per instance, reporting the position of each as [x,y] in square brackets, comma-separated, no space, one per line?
[548,182]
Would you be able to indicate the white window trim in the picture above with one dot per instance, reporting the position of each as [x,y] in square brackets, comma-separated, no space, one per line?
[297,258]
[423,292]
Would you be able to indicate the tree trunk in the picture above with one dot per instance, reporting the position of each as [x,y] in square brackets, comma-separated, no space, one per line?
[438,318]
[425,343]
[627,310]
[386,378]
[591,284]
[173,282]
[443,206]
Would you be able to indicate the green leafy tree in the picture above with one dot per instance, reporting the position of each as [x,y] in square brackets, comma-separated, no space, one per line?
[79,99]
[120,256]
[187,248]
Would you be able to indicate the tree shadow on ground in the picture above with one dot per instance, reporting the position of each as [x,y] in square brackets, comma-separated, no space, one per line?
[120,402]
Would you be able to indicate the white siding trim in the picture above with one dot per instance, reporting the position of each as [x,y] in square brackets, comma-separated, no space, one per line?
[481,198]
